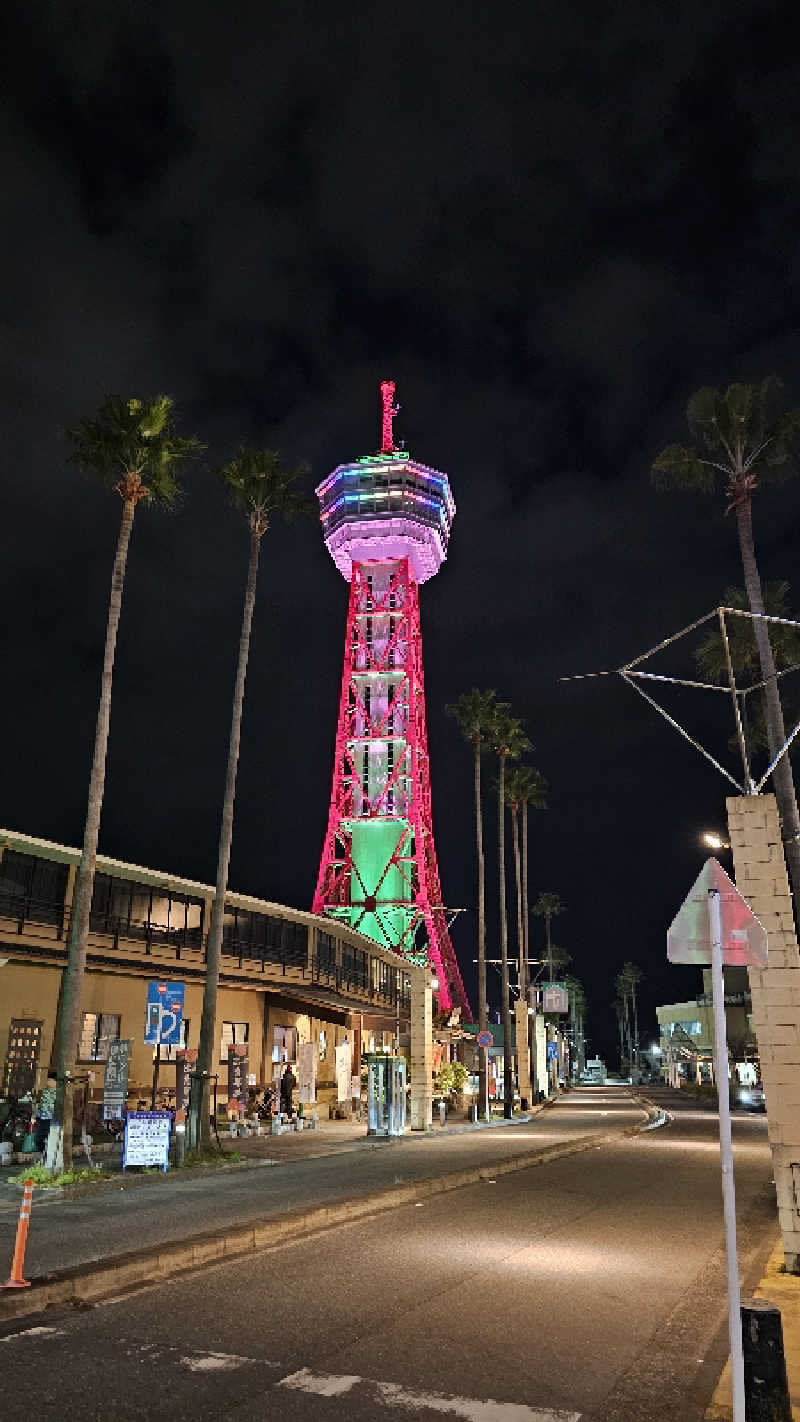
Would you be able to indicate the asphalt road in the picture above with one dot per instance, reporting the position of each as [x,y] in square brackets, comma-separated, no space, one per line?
[128,1213]
[589,1288]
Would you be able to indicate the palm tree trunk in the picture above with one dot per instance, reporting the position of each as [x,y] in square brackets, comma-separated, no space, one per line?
[522,1044]
[202,1134]
[508,1100]
[526,922]
[635,1028]
[483,1003]
[520,921]
[59,1142]
[782,779]
[525,916]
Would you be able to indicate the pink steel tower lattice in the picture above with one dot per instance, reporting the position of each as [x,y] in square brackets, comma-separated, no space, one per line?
[387,521]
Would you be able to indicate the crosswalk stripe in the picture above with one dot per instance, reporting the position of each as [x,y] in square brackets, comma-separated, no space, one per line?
[396,1395]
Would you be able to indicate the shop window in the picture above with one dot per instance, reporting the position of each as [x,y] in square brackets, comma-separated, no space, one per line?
[137,911]
[233,1033]
[31,887]
[284,1044]
[97,1030]
[24,1040]
[323,1044]
[326,953]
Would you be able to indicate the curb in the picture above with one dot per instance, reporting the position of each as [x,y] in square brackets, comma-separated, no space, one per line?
[85,1284]
[784,1291]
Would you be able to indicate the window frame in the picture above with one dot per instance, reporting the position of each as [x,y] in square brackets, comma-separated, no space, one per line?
[98,1035]
[235,1040]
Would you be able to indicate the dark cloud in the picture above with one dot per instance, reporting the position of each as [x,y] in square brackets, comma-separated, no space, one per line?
[549,229]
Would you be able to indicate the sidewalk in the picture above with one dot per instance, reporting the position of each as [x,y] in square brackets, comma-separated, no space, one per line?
[784,1291]
[113,1235]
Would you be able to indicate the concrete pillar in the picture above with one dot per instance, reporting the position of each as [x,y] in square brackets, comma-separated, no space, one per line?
[421,1051]
[762,878]
[523,1052]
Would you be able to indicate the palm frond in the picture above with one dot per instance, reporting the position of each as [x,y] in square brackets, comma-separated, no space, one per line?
[678,467]
[474,713]
[133,439]
[260,485]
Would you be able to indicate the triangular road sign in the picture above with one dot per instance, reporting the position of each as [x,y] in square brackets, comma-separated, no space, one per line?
[744,940]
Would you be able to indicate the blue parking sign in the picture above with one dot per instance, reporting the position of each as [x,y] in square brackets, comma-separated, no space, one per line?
[164,1014]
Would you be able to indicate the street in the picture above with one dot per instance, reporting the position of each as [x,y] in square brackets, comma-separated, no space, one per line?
[591,1287]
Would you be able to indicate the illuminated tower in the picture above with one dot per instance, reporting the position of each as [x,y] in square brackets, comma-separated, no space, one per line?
[386,520]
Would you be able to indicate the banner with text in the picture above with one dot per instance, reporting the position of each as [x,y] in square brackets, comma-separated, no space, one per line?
[344,1060]
[307,1053]
[115,1083]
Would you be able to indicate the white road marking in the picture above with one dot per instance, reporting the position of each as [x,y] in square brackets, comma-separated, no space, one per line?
[215,1362]
[33,1333]
[395,1395]
[323,1384]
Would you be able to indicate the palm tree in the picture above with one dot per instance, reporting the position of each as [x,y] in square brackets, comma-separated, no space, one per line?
[577,1011]
[524,786]
[742,439]
[785,643]
[132,447]
[474,713]
[548,906]
[620,1008]
[508,741]
[260,488]
[627,981]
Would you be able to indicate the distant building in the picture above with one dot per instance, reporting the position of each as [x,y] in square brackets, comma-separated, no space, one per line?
[687,1033]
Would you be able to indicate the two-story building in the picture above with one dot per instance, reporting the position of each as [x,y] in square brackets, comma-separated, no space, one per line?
[287,977]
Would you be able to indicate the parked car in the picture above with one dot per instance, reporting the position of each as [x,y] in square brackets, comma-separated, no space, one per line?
[751,1098]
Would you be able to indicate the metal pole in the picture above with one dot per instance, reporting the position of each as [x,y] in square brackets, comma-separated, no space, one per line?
[726,1152]
[156,1065]
[485,1083]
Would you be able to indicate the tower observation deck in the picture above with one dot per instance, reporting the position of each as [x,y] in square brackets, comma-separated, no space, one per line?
[386,520]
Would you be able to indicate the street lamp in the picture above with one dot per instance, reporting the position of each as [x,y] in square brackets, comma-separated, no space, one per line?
[714,841]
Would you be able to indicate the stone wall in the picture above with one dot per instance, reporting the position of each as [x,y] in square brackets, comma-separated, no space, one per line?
[762,878]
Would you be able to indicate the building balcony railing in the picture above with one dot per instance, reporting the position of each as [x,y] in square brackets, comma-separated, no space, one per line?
[367,976]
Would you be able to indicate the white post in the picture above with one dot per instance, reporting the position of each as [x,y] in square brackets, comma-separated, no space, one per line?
[726,1152]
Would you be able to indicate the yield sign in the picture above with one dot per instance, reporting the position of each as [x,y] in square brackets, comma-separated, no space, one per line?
[744,940]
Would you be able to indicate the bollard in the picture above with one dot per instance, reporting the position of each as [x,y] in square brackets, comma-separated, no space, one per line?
[442,1113]
[15,1279]
[766,1389]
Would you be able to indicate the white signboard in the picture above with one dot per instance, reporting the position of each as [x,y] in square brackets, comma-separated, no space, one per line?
[555,998]
[344,1061]
[146,1139]
[307,1072]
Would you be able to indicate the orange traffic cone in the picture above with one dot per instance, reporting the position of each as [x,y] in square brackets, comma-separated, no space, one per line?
[15,1279]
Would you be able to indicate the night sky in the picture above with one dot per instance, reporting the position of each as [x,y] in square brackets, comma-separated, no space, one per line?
[549,223]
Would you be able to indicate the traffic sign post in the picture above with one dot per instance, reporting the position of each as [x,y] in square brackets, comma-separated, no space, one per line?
[164,1014]
[163,1023]
[715,924]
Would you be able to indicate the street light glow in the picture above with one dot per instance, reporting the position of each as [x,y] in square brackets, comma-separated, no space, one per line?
[714,841]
